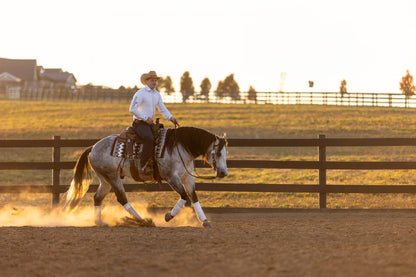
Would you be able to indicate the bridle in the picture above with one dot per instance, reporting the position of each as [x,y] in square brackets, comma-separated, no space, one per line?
[214,152]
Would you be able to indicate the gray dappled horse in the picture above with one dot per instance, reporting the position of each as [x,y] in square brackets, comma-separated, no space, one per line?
[182,146]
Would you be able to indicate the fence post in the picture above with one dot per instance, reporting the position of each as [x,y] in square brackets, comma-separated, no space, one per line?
[322,172]
[56,157]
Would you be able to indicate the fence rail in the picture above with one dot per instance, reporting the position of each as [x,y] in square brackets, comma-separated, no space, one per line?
[321,164]
[357,99]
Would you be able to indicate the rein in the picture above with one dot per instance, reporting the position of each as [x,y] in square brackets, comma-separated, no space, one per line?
[186,169]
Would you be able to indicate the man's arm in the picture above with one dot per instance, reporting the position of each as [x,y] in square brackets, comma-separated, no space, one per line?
[165,112]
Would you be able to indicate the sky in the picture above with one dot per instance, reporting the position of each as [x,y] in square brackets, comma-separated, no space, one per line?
[271,45]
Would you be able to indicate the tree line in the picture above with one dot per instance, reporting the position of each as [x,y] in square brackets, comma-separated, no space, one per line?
[229,87]
[406,85]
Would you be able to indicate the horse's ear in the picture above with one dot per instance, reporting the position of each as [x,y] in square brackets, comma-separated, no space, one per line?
[224,136]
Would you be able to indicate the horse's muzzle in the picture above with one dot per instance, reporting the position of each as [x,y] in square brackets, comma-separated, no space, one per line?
[221,173]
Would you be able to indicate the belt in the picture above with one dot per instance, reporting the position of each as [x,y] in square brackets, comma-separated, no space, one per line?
[137,121]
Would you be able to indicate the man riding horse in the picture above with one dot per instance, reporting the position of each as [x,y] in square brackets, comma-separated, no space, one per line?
[183,145]
[143,106]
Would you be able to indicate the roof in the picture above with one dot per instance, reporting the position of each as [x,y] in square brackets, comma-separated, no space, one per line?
[24,69]
[57,75]
[7,77]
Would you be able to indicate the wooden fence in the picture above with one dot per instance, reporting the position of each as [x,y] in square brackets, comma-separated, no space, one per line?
[356,99]
[321,164]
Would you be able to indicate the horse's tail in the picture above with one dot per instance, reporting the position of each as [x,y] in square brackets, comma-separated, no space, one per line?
[80,182]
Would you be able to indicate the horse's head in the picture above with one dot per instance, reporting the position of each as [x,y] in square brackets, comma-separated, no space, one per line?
[217,157]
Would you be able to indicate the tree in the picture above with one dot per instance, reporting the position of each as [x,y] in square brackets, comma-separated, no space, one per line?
[228,87]
[187,86]
[220,92]
[343,87]
[160,84]
[205,87]
[407,86]
[252,94]
[168,84]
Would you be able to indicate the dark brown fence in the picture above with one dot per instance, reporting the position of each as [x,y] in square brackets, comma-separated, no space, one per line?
[321,164]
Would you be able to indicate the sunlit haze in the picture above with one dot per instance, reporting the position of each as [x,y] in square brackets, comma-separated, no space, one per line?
[371,44]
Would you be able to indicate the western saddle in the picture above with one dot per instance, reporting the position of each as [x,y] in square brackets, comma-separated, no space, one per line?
[127,146]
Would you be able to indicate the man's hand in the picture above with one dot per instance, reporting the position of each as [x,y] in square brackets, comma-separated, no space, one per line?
[149,120]
[174,121]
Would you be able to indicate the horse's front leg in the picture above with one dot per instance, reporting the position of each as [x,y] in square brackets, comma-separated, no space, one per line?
[176,184]
[189,183]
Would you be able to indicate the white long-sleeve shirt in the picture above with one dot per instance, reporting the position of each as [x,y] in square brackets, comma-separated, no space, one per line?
[144,103]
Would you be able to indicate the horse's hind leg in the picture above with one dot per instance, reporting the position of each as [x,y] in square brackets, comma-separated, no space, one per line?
[122,198]
[176,184]
[102,191]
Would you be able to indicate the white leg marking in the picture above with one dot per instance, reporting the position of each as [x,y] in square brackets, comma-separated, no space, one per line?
[179,205]
[199,212]
[132,211]
[97,215]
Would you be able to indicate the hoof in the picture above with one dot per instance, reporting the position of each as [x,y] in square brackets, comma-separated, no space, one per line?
[206,224]
[168,217]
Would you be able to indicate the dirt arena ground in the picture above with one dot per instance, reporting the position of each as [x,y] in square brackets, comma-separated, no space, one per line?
[301,243]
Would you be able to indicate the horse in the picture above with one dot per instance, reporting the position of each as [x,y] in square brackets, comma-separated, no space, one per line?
[181,148]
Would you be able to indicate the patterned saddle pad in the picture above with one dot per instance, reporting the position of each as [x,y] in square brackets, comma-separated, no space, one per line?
[128,145]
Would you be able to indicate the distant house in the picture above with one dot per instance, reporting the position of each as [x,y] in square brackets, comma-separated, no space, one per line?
[57,78]
[22,73]
[26,74]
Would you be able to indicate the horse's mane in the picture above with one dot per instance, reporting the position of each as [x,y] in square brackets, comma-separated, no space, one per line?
[196,141]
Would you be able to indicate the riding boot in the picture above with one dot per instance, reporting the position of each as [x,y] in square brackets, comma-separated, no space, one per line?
[146,170]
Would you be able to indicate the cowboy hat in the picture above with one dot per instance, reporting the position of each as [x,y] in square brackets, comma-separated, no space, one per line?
[146,76]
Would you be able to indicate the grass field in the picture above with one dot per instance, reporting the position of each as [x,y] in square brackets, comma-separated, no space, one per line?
[97,119]
[43,120]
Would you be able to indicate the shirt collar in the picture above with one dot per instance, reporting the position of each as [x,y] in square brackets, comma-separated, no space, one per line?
[149,89]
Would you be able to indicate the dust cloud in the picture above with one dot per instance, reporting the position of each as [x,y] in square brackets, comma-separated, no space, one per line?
[29,210]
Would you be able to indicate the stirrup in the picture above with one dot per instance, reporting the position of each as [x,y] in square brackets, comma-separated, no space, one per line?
[146,170]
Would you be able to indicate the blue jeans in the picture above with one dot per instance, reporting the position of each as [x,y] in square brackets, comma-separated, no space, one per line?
[144,131]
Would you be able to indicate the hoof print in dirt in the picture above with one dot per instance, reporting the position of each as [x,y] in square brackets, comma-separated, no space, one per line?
[133,222]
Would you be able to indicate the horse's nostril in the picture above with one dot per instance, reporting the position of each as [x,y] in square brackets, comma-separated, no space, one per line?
[221,174]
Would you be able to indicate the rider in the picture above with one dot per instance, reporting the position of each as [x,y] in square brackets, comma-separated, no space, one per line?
[143,106]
